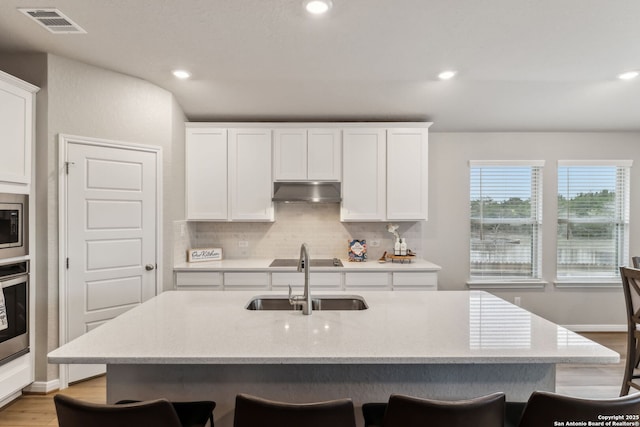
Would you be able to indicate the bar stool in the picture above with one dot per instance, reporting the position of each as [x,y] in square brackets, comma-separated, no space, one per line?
[254,411]
[75,413]
[546,408]
[407,411]
[631,288]
[191,414]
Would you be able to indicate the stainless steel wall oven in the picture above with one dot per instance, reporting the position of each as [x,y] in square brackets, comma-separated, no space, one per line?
[14,241]
[14,310]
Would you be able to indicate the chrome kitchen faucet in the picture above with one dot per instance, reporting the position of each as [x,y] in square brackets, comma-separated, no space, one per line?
[305,299]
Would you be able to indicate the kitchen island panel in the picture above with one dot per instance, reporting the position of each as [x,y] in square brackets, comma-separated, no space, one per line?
[311,383]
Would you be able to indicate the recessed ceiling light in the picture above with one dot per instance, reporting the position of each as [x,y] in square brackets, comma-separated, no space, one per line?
[317,7]
[181,74]
[628,75]
[446,75]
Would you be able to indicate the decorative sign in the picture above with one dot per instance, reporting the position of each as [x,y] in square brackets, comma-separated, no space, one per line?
[204,254]
[357,250]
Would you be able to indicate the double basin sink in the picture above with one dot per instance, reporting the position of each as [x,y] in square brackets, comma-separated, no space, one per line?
[324,302]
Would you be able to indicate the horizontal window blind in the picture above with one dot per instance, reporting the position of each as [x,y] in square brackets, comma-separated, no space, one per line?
[593,220]
[506,215]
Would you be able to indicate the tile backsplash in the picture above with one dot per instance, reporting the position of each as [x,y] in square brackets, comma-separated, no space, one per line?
[318,225]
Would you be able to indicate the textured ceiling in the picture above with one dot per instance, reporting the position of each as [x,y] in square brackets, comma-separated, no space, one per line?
[523,65]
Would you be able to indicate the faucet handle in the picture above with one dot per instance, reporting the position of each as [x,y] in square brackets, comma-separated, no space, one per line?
[291,300]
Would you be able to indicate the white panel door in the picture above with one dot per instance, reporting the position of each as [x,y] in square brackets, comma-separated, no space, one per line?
[363,175]
[111,237]
[324,154]
[250,179]
[407,174]
[206,174]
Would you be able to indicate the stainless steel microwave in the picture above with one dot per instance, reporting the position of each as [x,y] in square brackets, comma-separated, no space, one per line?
[13,225]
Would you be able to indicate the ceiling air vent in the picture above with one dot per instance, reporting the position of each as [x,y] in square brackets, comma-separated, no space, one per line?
[53,20]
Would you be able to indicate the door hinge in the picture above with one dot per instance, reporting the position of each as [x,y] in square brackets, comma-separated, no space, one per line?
[67,263]
[67,165]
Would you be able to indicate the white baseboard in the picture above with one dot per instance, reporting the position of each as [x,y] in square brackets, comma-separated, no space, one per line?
[10,399]
[43,387]
[596,328]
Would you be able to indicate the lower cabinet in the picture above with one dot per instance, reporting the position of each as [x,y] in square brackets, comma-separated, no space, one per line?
[321,280]
[367,281]
[246,281]
[200,280]
[413,281]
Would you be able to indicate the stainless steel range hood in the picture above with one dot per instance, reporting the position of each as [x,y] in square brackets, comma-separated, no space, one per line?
[307,192]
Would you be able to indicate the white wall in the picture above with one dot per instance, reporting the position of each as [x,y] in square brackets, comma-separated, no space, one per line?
[446,234]
[84,100]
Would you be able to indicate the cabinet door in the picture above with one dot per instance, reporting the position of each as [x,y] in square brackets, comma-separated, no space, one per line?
[250,183]
[407,172]
[16,126]
[323,154]
[363,175]
[206,174]
[290,154]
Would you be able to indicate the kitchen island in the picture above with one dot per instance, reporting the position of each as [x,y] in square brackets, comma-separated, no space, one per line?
[188,345]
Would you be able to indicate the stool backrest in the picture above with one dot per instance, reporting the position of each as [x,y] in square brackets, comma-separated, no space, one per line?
[253,411]
[545,408]
[75,413]
[407,411]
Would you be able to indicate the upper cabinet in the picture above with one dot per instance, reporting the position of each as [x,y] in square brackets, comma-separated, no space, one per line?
[231,167]
[250,184]
[17,103]
[363,174]
[228,174]
[301,154]
[407,174]
[206,174]
[385,174]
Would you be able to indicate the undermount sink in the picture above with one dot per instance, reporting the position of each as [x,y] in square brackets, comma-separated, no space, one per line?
[324,302]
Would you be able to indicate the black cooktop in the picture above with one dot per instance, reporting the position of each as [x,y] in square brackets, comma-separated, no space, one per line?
[286,262]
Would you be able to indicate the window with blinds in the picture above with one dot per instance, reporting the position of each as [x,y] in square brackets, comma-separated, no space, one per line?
[593,219]
[506,219]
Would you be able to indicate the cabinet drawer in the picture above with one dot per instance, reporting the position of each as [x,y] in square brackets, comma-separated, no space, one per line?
[200,280]
[415,281]
[319,281]
[367,281]
[246,281]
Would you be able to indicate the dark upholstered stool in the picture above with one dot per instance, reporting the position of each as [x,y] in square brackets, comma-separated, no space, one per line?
[191,414]
[253,411]
[75,413]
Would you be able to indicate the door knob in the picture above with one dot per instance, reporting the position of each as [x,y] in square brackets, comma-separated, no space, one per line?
[149,267]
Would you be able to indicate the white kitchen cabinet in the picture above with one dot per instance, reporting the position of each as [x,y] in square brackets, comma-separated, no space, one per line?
[280,281]
[415,281]
[306,154]
[200,280]
[17,102]
[206,174]
[407,174]
[363,174]
[246,281]
[367,281]
[250,175]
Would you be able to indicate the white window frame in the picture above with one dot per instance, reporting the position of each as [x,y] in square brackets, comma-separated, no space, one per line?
[504,282]
[622,219]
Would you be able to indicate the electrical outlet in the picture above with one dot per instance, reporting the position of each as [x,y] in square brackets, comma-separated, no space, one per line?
[243,244]
[517,301]
[375,243]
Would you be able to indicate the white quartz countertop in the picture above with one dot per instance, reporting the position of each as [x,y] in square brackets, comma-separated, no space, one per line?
[259,264]
[446,327]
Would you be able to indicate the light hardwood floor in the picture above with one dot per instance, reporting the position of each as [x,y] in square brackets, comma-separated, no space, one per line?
[594,381]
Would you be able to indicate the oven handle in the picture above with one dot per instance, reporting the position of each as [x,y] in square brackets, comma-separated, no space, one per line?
[15,281]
